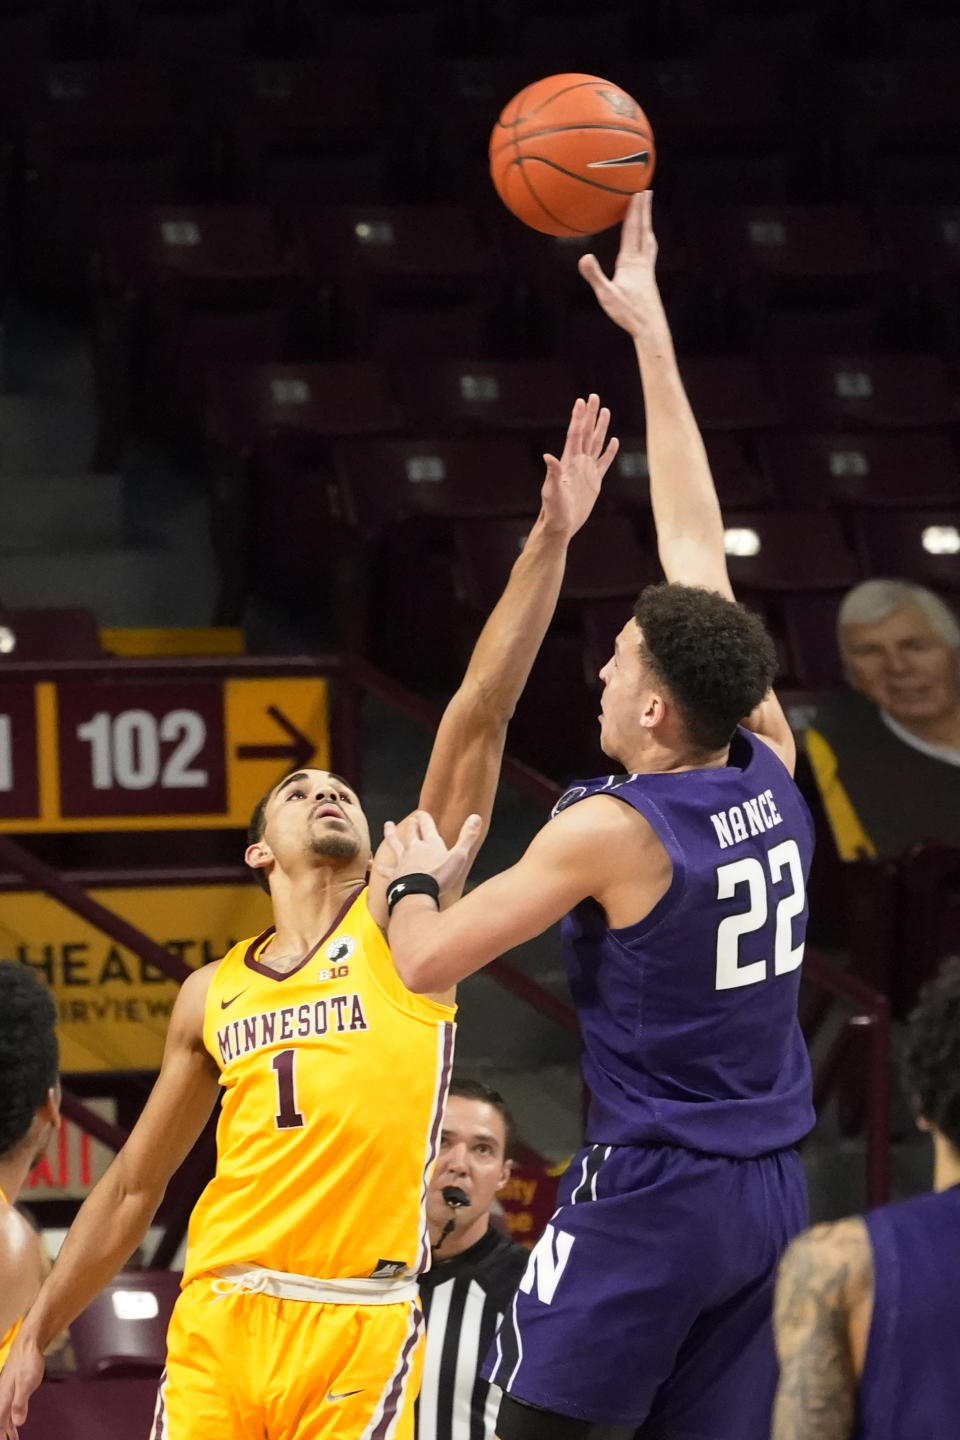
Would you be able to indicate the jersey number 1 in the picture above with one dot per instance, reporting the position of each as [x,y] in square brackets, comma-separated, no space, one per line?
[288,1117]
[750,872]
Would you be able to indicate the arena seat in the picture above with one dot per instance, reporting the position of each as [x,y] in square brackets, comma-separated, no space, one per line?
[179,289]
[393,275]
[737,480]
[729,392]
[809,624]
[866,468]
[78,1409]
[848,391]
[123,1330]
[803,245]
[98,133]
[71,634]
[382,481]
[889,126]
[925,242]
[921,545]
[292,131]
[726,126]
[775,550]
[247,404]
[269,429]
[458,396]
[605,559]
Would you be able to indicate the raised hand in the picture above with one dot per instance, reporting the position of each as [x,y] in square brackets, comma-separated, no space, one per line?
[631,298]
[22,1374]
[573,482]
[420,850]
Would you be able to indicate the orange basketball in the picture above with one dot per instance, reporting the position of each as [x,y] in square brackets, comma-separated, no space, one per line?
[568,152]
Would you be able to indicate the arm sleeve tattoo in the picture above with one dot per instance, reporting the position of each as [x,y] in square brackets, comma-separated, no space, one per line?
[823,1274]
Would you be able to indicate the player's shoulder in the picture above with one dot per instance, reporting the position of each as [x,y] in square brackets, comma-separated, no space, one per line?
[834,1256]
[19,1250]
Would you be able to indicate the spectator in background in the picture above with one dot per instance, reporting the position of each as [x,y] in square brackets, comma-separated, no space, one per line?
[867,1313]
[886,753]
[475,1269]
[29,1114]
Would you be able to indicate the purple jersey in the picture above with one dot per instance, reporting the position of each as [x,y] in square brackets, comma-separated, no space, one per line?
[910,1387]
[689,1017]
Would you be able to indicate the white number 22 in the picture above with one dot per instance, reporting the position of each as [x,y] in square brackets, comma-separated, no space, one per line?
[749,871]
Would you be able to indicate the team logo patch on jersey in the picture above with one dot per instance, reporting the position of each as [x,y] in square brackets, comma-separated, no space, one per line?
[568,797]
[388,1270]
[340,949]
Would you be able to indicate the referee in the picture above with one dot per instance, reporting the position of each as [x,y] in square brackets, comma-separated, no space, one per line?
[475,1269]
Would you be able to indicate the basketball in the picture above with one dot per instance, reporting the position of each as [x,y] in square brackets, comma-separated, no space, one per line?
[568,152]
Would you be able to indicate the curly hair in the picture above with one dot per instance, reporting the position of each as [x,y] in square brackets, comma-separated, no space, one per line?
[712,655]
[931,1058]
[29,1055]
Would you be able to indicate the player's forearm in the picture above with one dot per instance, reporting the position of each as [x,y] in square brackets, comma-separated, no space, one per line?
[509,641]
[109,1226]
[686,511]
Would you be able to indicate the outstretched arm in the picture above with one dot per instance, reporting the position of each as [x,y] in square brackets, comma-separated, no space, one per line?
[686,511]
[116,1214]
[464,767]
[821,1319]
[598,847]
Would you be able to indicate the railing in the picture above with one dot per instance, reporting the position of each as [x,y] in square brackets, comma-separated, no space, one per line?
[353,679]
[868,1023]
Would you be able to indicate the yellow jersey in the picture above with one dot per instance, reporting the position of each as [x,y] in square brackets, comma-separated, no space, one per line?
[334,1081]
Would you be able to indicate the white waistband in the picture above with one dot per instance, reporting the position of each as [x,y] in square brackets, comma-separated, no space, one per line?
[257,1280]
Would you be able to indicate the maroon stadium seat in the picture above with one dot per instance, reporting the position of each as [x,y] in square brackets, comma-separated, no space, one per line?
[891,127]
[381,481]
[78,1409]
[98,134]
[848,391]
[294,132]
[729,392]
[787,550]
[738,482]
[182,288]
[605,559]
[465,395]
[802,244]
[810,632]
[49,635]
[921,545]
[123,1330]
[912,468]
[400,276]
[247,404]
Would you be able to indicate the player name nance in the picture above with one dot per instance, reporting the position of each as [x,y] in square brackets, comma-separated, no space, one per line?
[753,817]
[332,1015]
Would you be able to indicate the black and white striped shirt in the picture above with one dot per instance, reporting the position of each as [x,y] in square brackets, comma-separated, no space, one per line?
[463,1299]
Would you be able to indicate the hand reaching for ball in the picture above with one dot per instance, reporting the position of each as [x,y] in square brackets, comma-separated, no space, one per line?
[631,298]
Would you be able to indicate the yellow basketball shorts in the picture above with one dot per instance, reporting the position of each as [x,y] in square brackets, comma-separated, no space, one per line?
[245,1366]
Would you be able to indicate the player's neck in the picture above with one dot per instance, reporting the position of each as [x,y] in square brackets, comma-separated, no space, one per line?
[304,909]
[657,759]
[15,1170]
[459,1240]
[946,1163]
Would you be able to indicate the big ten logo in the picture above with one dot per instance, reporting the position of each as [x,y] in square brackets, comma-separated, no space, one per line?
[73,1162]
[528,1200]
[333,972]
